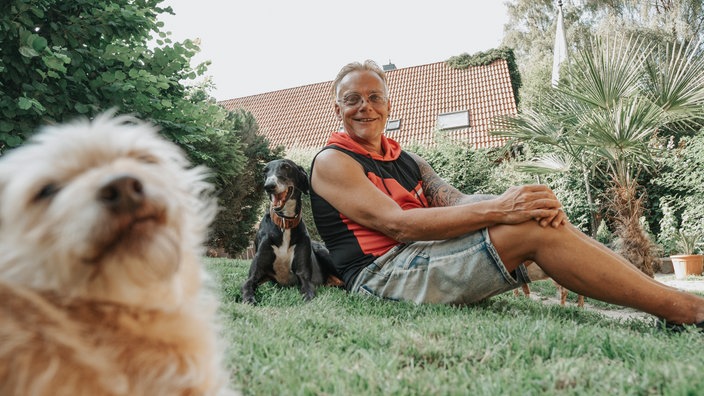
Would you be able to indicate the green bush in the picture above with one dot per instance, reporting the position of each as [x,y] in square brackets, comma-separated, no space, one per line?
[680,185]
[668,227]
[603,234]
[241,196]
[467,169]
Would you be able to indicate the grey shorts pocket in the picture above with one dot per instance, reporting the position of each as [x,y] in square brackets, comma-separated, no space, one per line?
[419,261]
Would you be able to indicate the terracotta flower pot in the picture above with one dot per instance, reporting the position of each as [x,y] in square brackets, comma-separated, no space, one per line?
[687,264]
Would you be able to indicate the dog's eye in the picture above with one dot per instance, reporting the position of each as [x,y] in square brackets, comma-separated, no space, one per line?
[147,159]
[47,191]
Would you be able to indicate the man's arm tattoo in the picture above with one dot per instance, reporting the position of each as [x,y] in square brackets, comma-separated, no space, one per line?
[437,191]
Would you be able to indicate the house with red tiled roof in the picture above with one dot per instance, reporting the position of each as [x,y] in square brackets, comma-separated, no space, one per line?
[426,100]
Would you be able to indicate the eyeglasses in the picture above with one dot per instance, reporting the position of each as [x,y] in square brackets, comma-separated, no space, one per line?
[355,99]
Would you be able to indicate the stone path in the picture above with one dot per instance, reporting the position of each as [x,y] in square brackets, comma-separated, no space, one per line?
[686,284]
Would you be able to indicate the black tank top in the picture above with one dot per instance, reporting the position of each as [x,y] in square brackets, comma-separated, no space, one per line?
[351,245]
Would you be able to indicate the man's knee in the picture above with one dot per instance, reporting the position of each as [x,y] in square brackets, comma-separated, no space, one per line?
[521,241]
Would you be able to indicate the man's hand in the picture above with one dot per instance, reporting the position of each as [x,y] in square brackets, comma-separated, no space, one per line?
[558,220]
[531,202]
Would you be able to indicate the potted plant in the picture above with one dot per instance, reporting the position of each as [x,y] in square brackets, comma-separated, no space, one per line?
[687,261]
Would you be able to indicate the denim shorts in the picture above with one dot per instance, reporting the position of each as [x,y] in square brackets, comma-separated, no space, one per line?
[461,270]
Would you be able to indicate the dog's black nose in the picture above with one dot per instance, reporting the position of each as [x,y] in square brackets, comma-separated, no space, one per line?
[122,193]
[270,187]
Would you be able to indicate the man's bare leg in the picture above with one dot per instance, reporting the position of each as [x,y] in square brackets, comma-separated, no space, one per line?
[586,267]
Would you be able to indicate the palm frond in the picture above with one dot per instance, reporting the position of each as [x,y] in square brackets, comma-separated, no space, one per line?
[529,126]
[630,124]
[611,70]
[676,80]
[546,164]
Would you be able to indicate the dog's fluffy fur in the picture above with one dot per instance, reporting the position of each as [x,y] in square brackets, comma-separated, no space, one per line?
[102,288]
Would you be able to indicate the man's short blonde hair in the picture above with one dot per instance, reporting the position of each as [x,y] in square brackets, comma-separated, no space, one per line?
[368,65]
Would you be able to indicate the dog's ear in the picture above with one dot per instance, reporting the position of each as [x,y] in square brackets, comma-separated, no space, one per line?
[305,185]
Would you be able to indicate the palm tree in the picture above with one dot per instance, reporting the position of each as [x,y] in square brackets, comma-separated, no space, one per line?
[606,116]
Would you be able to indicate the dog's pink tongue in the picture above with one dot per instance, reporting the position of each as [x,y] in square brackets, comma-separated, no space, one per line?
[278,199]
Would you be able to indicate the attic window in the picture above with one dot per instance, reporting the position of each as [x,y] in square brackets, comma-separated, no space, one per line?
[457,119]
[393,125]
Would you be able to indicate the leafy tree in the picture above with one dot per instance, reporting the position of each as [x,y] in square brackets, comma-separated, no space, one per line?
[606,116]
[63,58]
[60,59]
[241,197]
[530,31]
[659,20]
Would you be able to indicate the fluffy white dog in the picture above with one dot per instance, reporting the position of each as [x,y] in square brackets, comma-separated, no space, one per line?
[102,226]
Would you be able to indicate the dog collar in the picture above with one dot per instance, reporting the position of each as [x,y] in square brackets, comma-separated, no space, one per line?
[284,222]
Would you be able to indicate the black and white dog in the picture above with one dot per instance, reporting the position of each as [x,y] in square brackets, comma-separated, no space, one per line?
[284,252]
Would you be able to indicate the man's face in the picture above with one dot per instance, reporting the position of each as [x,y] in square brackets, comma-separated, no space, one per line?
[363,105]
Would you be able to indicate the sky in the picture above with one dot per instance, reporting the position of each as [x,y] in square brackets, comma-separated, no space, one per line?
[258,46]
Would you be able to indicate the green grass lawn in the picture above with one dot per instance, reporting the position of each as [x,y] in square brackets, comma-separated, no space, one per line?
[340,344]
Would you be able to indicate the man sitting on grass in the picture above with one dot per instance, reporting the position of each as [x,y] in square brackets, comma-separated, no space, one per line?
[398,231]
